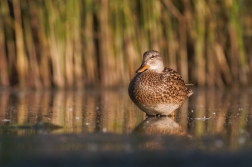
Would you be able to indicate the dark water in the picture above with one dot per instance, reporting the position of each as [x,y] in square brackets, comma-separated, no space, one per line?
[101,127]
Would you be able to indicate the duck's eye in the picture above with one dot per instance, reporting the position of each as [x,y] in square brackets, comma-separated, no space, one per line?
[152,56]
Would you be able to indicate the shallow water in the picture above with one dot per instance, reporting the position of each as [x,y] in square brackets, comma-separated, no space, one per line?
[106,120]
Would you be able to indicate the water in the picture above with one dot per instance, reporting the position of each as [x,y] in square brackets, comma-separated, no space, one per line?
[97,123]
[82,111]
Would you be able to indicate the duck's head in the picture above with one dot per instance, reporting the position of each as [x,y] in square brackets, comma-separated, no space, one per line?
[152,60]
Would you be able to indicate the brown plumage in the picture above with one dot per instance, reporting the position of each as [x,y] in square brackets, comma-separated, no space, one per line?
[157,90]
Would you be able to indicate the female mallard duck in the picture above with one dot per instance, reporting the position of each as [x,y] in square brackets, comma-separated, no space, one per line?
[157,90]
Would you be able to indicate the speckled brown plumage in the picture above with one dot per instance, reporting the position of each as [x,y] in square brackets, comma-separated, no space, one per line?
[158,90]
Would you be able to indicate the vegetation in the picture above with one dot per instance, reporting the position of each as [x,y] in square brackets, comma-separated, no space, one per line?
[65,43]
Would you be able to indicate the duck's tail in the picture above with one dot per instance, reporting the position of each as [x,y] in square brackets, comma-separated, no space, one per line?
[190,92]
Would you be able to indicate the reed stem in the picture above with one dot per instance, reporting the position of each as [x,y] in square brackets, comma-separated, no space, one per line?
[71,44]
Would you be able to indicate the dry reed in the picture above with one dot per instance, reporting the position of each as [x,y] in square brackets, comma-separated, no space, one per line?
[66,44]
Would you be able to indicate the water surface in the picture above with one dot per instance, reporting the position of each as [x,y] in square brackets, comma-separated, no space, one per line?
[106,121]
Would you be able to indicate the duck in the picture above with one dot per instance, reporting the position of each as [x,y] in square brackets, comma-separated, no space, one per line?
[155,89]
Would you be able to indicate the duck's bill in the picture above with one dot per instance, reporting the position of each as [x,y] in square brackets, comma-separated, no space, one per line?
[142,68]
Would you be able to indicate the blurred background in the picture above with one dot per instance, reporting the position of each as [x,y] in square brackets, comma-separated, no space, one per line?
[76,43]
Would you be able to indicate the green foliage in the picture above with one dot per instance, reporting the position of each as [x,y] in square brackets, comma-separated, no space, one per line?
[55,43]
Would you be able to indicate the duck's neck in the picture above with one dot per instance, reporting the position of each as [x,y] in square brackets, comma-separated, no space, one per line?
[157,70]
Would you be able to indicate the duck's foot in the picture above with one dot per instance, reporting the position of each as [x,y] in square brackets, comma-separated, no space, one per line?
[172,115]
[150,115]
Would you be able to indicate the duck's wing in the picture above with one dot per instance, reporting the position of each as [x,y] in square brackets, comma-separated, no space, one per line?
[175,82]
[171,76]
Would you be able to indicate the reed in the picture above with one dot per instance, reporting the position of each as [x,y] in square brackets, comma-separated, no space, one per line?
[3,62]
[71,44]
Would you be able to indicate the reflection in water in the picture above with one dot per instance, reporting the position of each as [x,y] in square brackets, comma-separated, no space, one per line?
[157,126]
[160,126]
[208,112]
[76,111]
[223,113]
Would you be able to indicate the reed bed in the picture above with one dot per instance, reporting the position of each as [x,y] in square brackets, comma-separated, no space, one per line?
[66,44]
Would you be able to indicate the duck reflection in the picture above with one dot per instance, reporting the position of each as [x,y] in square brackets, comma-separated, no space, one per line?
[160,126]
[155,127]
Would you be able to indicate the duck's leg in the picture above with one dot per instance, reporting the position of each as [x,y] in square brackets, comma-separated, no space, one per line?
[172,114]
[150,115]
